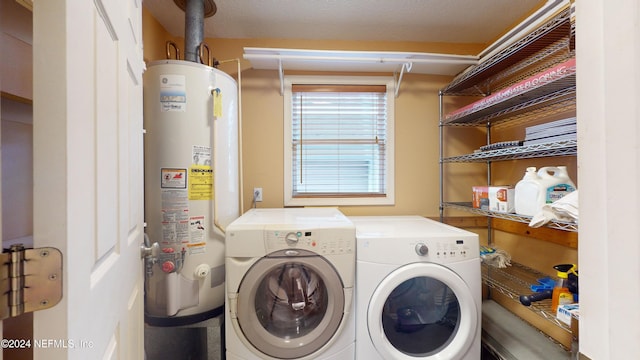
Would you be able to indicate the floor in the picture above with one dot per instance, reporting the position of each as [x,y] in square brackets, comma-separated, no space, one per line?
[194,342]
[513,338]
[486,354]
[191,343]
[205,341]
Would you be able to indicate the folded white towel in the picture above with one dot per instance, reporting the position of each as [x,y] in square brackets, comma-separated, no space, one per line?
[564,209]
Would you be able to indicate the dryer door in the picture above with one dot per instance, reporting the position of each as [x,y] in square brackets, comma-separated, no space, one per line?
[422,311]
[290,304]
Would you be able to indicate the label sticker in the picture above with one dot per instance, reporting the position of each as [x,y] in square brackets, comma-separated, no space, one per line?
[201,155]
[217,103]
[200,182]
[199,248]
[197,232]
[175,216]
[174,202]
[173,93]
[196,224]
[175,232]
[173,178]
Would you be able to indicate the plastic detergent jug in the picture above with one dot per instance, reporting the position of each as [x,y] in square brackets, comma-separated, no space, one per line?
[556,182]
[529,193]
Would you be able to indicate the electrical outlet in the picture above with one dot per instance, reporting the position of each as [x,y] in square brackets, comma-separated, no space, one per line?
[257,194]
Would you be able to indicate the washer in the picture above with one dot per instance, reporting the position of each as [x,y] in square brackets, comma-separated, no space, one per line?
[418,293]
[290,285]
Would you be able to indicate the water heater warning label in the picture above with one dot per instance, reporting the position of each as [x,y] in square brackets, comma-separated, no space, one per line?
[197,244]
[173,178]
[173,93]
[200,182]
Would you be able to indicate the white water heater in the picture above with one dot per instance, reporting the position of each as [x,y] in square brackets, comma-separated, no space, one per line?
[191,188]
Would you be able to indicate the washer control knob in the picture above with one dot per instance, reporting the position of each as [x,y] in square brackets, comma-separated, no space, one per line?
[422,249]
[291,238]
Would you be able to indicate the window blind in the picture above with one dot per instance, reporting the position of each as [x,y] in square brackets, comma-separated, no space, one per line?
[338,140]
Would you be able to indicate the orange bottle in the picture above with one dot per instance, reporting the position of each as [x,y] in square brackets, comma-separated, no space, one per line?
[561,294]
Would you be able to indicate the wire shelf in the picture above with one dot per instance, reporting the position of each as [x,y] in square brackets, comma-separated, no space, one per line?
[515,280]
[559,148]
[554,54]
[553,30]
[532,80]
[466,206]
[560,104]
[536,97]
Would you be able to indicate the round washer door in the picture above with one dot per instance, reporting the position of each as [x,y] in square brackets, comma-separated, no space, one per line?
[422,311]
[290,304]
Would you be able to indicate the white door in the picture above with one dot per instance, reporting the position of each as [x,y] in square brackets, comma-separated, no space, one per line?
[88,172]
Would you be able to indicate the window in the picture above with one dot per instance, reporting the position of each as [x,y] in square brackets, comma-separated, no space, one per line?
[338,140]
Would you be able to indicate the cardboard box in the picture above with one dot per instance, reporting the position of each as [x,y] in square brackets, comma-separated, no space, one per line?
[567,311]
[480,197]
[501,199]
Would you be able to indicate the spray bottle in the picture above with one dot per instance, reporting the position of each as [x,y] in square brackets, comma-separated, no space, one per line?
[561,294]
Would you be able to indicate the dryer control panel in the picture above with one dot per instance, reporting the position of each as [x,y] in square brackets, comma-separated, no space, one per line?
[323,243]
[452,249]
[439,250]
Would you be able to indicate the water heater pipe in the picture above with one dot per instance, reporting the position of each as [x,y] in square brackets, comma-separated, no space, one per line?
[240,172]
[193,28]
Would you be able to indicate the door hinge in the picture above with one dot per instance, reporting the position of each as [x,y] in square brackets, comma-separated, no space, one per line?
[30,279]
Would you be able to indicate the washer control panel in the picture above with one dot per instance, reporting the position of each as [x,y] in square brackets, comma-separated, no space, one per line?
[324,243]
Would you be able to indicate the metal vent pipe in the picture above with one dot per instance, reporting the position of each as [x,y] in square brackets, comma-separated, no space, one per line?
[194,13]
[193,28]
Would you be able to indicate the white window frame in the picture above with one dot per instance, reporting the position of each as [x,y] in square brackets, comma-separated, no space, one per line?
[389,198]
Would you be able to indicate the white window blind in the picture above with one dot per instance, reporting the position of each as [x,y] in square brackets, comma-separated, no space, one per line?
[338,140]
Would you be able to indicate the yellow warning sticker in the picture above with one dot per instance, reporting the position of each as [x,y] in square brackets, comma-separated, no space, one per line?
[200,182]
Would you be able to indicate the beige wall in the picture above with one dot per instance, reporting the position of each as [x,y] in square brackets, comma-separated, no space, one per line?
[262,121]
[154,38]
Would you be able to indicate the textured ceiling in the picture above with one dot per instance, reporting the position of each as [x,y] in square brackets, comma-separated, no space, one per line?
[451,21]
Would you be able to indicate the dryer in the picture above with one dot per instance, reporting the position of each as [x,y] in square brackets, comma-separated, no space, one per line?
[418,293]
[290,280]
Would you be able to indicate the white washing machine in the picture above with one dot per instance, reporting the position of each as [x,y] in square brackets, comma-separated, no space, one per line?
[418,293]
[290,285]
